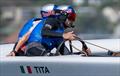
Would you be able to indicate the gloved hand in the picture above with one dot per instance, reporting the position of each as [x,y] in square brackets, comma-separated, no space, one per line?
[69,36]
[13,53]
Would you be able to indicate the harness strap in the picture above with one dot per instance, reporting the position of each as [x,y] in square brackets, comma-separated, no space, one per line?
[58,49]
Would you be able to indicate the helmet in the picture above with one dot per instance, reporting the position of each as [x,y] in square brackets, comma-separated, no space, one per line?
[48,10]
[71,15]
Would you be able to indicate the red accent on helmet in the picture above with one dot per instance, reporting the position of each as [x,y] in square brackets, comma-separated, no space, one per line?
[71,13]
[71,16]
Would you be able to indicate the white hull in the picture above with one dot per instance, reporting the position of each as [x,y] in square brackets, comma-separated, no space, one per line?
[60,66]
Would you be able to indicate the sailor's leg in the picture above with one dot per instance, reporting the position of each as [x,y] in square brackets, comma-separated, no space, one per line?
[35,49]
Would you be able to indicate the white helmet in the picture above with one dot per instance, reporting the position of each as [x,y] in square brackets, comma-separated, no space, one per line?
[48,10]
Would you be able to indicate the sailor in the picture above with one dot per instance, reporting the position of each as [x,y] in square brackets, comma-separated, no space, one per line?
[44,34]
[46,11]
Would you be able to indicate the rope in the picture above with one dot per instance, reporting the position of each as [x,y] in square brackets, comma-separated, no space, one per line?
[94,44]
[79,50]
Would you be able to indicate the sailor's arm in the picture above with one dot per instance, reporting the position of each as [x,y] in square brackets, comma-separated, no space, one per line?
[19,44]
[24,38]
[53,24]
[22,41]
[46,32]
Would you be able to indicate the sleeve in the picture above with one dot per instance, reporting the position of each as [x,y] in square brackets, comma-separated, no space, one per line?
[50,25]
[48,33]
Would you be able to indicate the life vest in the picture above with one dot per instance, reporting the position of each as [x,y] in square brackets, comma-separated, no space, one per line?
[26,27]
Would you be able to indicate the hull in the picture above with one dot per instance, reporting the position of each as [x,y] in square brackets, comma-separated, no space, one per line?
[60,66]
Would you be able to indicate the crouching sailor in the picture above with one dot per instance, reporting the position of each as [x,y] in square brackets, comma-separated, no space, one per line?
[44,34]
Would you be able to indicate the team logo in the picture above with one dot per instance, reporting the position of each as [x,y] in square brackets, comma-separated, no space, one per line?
[34,69]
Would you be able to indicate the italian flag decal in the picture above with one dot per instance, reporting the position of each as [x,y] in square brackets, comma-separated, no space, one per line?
[26,69]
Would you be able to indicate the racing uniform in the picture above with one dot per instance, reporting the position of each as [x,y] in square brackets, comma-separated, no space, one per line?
[45,36]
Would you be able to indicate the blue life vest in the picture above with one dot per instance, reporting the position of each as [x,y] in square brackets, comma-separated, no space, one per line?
[35,36]
[26,27]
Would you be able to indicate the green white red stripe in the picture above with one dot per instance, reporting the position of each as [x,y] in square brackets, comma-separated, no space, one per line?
[26,69]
